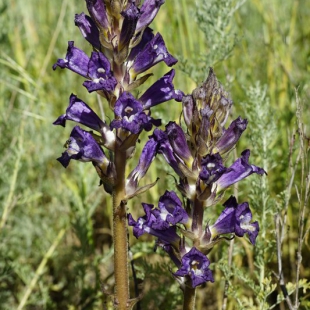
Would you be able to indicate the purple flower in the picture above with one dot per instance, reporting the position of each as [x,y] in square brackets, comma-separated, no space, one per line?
[212,168]
[161,91]
[239,170]
[147,156]
[149,10]
[76,60]
[154,52]
[146,38]
[196,266]
[166,150]
[145,225]
[231,135]
[169,212]
[131,15]
[99,70]
[235,219]
[83,147]
[130,116]
[88,29]
[78,111]
[97,10]
[178,142]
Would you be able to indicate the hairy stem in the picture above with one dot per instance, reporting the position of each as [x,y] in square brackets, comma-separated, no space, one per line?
[120,237]
[189,298]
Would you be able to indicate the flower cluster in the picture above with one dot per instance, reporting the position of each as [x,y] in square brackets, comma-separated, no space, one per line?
[124,47]
[198,157]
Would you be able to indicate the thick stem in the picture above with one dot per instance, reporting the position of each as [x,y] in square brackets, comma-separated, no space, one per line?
[189,298]
[120,238]
[197,216]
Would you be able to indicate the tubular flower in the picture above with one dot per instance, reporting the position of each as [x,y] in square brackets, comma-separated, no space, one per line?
[231,136]
[83,147]
[154,52]
[239,170]
[145,225]
[78,111]
[196,266]
[162,90]
[149,10]
[170,211]
[88,29]
[147,156]
[235,219]
[76,60]
[130,116]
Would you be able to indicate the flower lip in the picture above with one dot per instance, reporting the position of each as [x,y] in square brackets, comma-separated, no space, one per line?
[99,71]
[130,116]
[212,168]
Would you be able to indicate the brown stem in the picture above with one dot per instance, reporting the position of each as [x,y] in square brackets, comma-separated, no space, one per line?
[189,298]
[120,238]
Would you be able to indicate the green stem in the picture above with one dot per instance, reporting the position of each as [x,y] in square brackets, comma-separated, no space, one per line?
[189,298]
[120,238]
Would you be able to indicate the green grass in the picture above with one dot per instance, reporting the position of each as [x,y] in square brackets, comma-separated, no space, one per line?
[55,224]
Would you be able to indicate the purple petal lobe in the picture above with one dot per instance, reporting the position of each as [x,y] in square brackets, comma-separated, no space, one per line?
[170,209]
[145,225]
[99,70]
[130,116]
[196,266]
[76,60]
[212,168]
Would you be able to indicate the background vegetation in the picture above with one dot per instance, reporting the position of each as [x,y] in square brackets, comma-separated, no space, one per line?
[55,224]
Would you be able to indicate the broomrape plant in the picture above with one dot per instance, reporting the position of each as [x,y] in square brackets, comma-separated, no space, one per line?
[125,48]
